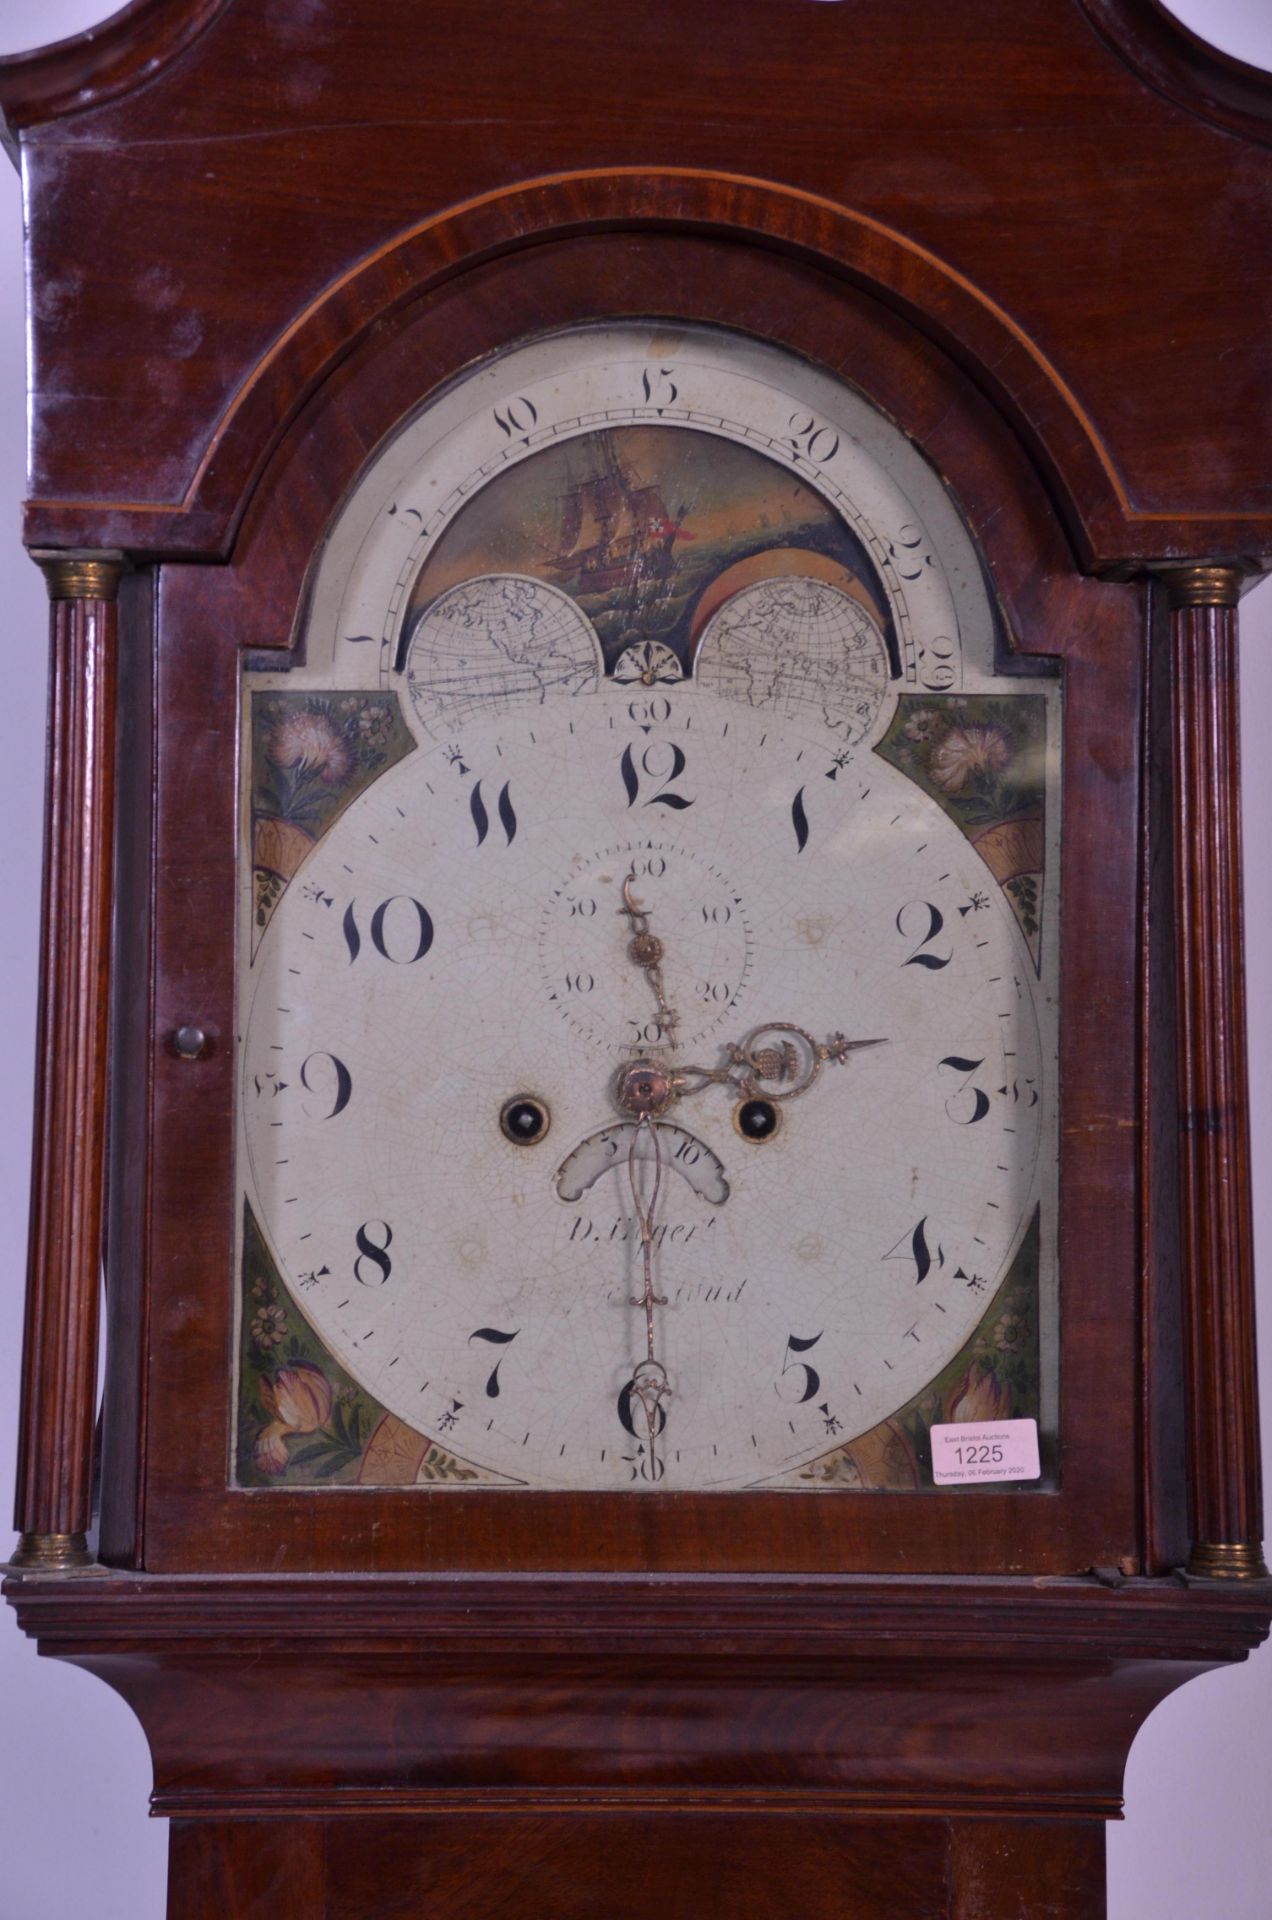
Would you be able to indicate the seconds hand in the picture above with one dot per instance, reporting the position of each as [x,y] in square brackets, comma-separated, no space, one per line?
[650,1384]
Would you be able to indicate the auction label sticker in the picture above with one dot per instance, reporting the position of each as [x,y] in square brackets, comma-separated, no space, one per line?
[975,1451]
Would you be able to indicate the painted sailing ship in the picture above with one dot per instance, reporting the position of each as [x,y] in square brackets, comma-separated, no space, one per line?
[615,529]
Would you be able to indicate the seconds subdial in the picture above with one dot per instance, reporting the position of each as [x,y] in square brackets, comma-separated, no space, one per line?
[582,939]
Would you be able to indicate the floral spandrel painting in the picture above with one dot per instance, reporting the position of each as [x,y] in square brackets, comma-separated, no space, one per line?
[983,759]
[302,1420]
[996,1376]
[311,755]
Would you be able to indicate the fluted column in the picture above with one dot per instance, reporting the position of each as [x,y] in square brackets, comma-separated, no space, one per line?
[1214,1157]
[59,1364]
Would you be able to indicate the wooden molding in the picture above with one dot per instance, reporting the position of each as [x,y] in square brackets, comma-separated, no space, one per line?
[1184,68]
[322,1697]
[100,64]
[59,1368]
[1214,1148]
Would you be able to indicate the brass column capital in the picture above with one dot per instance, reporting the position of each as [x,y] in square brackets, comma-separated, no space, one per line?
[1203,583]
[51,1553]
[1241,1561]
[75,574]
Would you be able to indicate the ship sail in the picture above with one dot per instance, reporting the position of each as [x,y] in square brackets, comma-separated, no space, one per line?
[610,522]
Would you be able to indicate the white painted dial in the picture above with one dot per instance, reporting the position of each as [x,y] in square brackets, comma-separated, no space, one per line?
[455,936]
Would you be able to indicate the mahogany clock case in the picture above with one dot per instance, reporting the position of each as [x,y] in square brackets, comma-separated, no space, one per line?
[1067,331]
[165,1499]
[1042,493]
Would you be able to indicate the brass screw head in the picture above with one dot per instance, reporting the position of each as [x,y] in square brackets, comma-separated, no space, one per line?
[646,949]
[644,1089]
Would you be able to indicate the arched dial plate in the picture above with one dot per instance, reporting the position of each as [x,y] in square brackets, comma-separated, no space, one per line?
[621,619]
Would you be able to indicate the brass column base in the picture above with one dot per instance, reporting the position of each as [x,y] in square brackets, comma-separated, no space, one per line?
[1209,1561]
[51,1553]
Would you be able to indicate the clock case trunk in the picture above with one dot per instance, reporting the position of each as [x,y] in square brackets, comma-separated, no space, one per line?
[384,1698]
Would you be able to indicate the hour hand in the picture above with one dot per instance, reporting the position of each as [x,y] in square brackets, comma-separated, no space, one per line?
[776,1062]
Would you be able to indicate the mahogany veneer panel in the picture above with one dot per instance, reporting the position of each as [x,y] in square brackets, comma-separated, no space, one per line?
[717,1867]
[625,1868]
[308,148]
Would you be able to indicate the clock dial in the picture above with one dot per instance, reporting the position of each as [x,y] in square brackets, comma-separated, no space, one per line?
[648,1058]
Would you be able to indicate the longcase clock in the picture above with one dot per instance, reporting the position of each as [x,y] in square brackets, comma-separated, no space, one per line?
[642,949]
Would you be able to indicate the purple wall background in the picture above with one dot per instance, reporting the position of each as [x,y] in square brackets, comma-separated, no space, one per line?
[74,1770]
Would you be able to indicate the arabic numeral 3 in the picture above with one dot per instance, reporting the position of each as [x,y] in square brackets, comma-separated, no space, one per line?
[968,1103]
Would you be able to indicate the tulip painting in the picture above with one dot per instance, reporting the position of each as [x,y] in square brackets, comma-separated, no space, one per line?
[299,1399]
[996,1376]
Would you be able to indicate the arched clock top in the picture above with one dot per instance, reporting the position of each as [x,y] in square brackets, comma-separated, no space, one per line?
[620,278]
[934,297]
[154,441]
